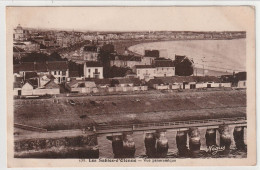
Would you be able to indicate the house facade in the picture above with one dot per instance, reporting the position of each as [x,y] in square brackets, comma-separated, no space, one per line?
[158,69]
[90,53]
[145,72]
[241,84]
[60,70]
[93,70]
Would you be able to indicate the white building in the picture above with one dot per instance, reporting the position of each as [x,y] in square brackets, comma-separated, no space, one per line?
[145,72]
[18,33]
[59,69]
[93,70]
[159,69]
[241,84]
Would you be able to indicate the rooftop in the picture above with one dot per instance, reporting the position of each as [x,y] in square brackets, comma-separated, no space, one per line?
[144,66]
[93,64]
[41,66]
[163,63]
[126,58]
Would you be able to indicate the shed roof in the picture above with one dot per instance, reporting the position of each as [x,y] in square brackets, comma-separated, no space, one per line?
[29,75]
[134,81]
[51,85]
[155,81]
[102,81]
[81,83]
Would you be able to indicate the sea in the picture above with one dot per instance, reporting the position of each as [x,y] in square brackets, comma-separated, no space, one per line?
[219,55]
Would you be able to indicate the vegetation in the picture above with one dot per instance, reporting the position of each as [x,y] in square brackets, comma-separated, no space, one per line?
[183,67]
[117,71]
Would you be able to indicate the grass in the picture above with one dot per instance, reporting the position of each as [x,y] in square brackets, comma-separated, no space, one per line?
[126,109]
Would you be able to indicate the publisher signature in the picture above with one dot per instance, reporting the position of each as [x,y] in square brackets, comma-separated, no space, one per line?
[215,149]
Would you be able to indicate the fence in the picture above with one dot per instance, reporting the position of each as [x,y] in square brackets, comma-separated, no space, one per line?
[45,91]
[233,120]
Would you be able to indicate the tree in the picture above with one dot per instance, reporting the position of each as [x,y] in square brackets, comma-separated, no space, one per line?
[184,67]
[76,67]
[56,57]
[35,57]
[117,71]
[104,56]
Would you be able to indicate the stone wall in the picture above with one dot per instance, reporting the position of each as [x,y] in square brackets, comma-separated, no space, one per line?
[63,147]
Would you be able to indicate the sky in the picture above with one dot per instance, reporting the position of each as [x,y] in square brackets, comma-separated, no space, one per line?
[131,18]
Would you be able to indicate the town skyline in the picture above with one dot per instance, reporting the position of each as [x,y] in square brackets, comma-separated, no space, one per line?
[114,31]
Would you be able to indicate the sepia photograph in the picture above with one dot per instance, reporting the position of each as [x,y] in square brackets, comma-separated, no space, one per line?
[134,85]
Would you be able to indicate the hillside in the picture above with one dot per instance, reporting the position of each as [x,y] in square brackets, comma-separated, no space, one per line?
[158,107]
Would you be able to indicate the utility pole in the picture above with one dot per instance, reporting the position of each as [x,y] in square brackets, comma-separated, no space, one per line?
[203,65]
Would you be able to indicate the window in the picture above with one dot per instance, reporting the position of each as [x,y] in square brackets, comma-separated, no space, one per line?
[138,71]
[146,71]
[63,78]
[54,72]
[244,83]
[89,70]
[96,70]
[64,73]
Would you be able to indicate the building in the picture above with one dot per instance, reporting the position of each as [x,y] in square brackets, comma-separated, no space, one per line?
[145,72]
[240,80]
[160,68]
[17,86]
[59,70]
[27,89]
[241,84]
[187,82]
[93,70]
[45,78]
[81,86]
[125,61]
[164,68]
[31,88]
[90,53]
[20,34]
[126,82]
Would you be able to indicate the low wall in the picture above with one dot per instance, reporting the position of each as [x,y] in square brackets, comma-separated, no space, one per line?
[187,86]
[162,87]
[56,147]
[45,91]
[225,84]
[109,89]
